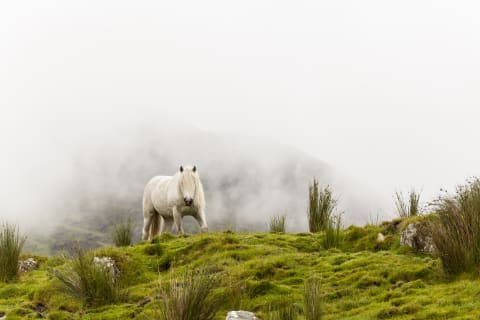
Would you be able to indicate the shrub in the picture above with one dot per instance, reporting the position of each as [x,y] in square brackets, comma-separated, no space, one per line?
[96,284]
[11,244]
[333,235]
[189,297]
[408,208]
[122,234]
[312,299]
[277,224]
[321,206]
[456,230]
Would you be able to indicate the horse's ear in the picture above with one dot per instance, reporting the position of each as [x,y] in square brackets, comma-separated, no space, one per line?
[194,169]
[181,168]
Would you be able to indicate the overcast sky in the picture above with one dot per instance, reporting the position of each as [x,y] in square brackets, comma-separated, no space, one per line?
[386,91]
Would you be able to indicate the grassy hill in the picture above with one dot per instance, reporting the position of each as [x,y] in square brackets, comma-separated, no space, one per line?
[360,280]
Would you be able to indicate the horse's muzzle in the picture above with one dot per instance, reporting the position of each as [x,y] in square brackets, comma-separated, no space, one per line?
[188,202]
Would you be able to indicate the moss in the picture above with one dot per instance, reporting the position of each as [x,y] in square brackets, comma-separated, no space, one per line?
[359,280]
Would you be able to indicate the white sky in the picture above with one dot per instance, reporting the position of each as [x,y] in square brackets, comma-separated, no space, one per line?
[386,91]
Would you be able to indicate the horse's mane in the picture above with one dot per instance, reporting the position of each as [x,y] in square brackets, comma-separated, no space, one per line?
[199,198]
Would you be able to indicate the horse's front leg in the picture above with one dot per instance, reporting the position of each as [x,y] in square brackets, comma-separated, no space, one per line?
[202,221]
[177,218]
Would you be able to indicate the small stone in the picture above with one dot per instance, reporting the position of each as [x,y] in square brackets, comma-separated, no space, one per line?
[27,265]
[241,315]
[380,237]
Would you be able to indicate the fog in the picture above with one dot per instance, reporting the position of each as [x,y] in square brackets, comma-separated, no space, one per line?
[370,96]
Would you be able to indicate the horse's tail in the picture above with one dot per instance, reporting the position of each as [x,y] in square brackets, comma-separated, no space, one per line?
[155,226]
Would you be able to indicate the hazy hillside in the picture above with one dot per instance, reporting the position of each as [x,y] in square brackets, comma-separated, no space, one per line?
[246,180]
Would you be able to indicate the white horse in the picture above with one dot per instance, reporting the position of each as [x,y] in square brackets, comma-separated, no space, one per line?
[167,199]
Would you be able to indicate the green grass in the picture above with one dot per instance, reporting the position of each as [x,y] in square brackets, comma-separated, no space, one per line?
[321,206]
[360,279]
[11,244]
[277,224]
[122,234]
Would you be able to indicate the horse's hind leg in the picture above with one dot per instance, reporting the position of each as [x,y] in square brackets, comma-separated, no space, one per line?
[166,225]
[147,222]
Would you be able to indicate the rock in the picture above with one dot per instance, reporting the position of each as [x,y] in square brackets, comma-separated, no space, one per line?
[380,237]
[241,315]
[109,264]
[40,308]
[27,265]
[144,302]
[416,236]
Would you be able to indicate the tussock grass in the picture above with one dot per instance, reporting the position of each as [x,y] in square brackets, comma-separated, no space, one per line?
[456,231]
[189,296]
[410,207]
[312,299]
[11,244]
[284,310]
[95,284]
[321,206]
[277,224]
[333,232]
[122,234]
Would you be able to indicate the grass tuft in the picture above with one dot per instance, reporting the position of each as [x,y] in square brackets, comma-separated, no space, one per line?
[189,297]
[277,224]
[122,234]
[11,244]
[456,231]
[94,283]
[333,232]
[283,310]
[312,299]
[321,206]
[408,208]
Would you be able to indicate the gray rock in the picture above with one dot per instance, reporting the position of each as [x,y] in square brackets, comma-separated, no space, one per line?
[416,236]
[241,315]
[109,264]
[27,265]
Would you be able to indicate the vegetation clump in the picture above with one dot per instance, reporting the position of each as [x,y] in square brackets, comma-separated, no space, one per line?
[189,296]
[122,234]
[11,244]
[456,231]
[95,283]
[408,208]
[312,299]
[321,206]
[333,235]
[277,224]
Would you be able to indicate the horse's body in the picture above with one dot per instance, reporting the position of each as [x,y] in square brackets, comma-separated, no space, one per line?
[167,199]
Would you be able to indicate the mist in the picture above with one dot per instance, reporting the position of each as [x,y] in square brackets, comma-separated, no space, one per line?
[371,97]
[74,168]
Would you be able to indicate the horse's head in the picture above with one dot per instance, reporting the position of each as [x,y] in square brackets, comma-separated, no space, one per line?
[188,184]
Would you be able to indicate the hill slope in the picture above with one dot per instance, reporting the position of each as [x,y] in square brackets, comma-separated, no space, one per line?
[361,280]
